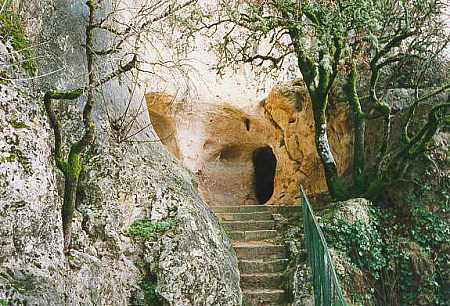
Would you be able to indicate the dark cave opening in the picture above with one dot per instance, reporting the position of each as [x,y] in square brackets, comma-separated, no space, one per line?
[265,164]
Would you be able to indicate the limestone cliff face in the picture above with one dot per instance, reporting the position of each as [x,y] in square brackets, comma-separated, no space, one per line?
[220,143]
[123,182]
[31,254]
[290,110]
[193,262]
[215,138]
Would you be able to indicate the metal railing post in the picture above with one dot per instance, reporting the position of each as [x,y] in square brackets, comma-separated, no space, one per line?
[327,291]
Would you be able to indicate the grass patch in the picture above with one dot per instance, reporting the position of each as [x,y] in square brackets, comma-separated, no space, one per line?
[147,229]
[11,29]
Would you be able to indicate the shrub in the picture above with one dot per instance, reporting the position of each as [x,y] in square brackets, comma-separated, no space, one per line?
[406,257]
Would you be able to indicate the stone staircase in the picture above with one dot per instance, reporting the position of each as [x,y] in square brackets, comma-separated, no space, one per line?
[262,260]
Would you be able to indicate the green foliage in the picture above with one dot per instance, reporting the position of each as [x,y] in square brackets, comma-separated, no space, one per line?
[418,255]
[147,295]
[404,253]
[4,302]
[147,229]
[430,229]
[149,289]
[11,29]
[361,241]
[17,124]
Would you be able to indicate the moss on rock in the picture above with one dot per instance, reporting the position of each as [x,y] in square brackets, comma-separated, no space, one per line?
[12,30]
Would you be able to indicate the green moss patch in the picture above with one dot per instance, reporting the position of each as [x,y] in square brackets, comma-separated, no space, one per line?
[11,29]
[8,159]
[148,286]
[17,124]
[147,294]
[147,229]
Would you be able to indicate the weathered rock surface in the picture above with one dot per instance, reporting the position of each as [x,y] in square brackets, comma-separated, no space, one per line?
[353,280]
[290,110]
[31,253]
[193,261]
[218,142]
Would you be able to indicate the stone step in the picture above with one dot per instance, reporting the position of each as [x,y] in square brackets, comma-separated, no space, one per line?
[256,216]
[248,225]
[264,297]
[259,251]
[287,211]
[262,281]
[240,209]
[253,235]
[262,266]
[274,209]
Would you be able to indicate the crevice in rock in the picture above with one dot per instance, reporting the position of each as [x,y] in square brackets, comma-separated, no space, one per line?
[275,124]
[247,124]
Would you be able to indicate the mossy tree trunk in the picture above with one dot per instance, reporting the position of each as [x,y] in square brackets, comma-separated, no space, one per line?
[359,129]
[68,209]
[437,117]
[319,77]
[323,146]
[72,167]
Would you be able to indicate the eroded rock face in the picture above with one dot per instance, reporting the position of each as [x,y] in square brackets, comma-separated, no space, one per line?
[220,143]
[290,110]
[122,183]
[194,262]
[353,280]
[31,246]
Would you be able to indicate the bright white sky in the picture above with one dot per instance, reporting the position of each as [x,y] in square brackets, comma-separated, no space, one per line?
[240,87]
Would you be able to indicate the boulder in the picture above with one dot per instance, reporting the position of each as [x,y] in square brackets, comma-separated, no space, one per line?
[122,182]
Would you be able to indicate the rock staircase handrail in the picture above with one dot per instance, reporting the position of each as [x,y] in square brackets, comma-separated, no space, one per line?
[327,291]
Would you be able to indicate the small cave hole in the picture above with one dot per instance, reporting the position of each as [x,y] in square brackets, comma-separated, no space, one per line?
[247,124]
[265,164]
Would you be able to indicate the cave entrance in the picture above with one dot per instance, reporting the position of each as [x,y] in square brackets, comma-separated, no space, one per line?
[265,164]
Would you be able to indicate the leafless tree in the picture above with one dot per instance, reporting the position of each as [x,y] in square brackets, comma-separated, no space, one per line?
[129,30]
